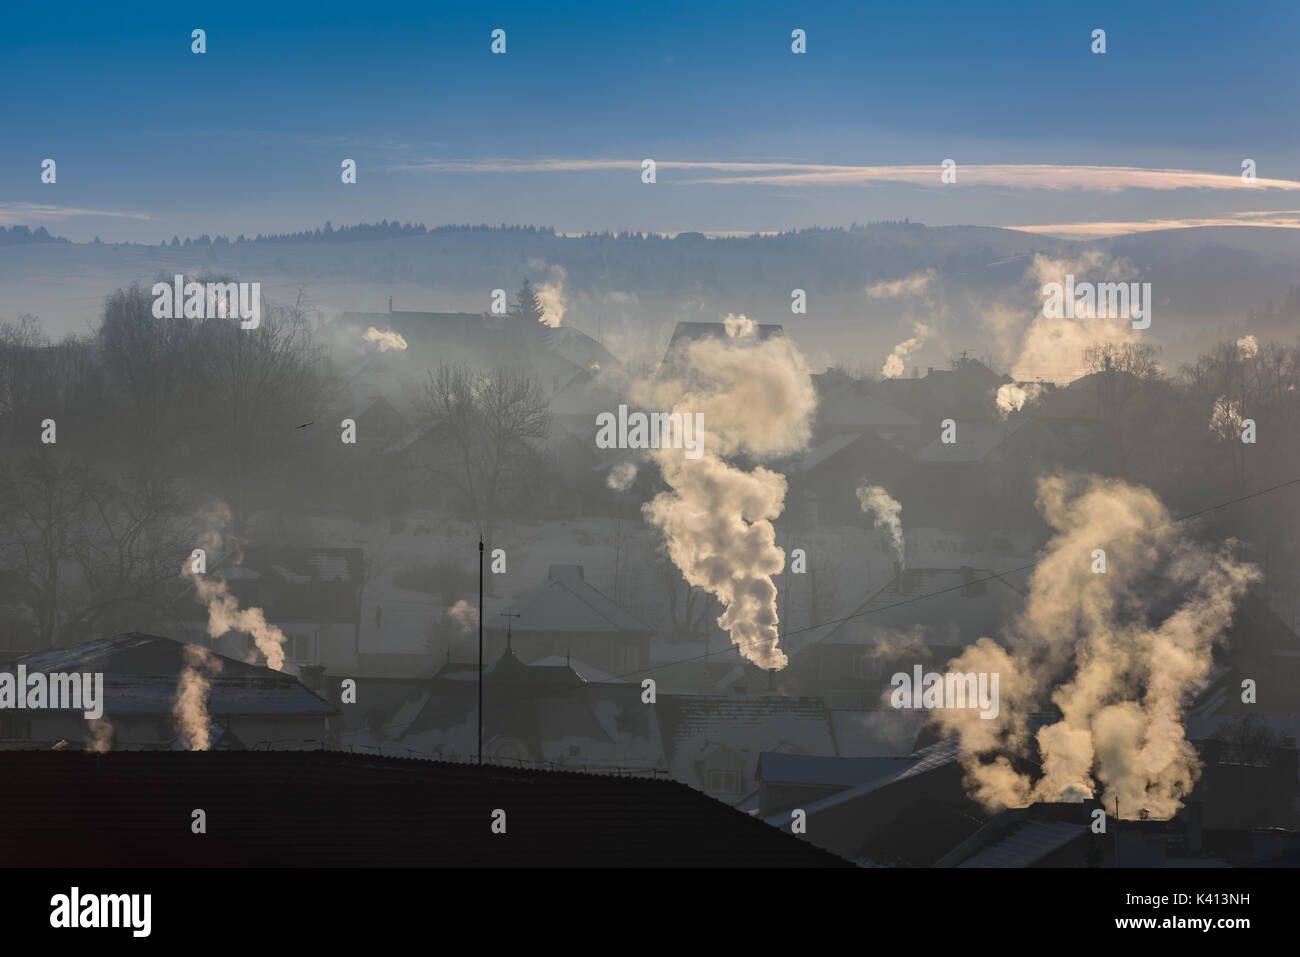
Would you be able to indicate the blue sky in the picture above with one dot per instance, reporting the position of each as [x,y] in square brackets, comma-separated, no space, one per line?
[249,136]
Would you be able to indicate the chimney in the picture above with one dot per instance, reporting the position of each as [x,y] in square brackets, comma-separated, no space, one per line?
[312,676]
[898,577]
[390,304]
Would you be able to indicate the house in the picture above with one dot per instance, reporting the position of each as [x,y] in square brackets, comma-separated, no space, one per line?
[534,715]
[968,389]
[313,595]
[857,809]
[249,705]
[566,615]
[713,742]
[684,333]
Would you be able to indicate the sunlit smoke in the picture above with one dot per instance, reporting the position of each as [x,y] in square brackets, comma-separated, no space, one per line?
[1225,418]
[1012,396]
[386,340]
[757,399]
[551,293]
[190,708]
[1105,649]
[894,365]
[887,513]
[99,735]
[621,476]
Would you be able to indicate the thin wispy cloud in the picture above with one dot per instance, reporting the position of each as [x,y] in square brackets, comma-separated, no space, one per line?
[1105,179]
[1276,219]
[18,213]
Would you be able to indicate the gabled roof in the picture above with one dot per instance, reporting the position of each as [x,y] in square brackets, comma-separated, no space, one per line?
[749,723]
[851,407]
[141,673]
[566,603]
[975,440]
[1027,844]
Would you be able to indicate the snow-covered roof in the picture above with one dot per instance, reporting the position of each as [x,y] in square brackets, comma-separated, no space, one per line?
[141,674]
[566,603]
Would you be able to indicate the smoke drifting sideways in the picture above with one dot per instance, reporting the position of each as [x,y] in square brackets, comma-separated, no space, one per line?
[757,400]
[224,613]
[1119,652]
[887,512]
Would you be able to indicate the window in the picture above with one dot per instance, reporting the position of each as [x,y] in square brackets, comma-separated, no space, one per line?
[724,781]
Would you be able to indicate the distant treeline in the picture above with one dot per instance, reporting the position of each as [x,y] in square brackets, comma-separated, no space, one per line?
[360,232]
[383,229]
[23,235]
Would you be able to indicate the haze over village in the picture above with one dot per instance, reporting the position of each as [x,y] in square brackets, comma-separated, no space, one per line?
[687,464]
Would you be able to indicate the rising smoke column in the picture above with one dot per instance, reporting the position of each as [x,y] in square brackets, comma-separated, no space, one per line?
[887,513]
[757,400]
[190,708]
[894,366]
[224,613]
[1106,650]
[99,736]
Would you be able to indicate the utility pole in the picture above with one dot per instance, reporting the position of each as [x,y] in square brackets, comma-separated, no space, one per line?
[480,649]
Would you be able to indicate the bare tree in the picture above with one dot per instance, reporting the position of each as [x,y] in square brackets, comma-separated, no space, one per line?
[150,367]
[487,426]
[253,388]
[77,547]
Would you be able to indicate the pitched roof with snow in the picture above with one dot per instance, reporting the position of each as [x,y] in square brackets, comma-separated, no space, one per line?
[141,673]
[566,603]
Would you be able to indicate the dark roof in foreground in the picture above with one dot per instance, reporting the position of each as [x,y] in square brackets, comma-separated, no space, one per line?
[331,808]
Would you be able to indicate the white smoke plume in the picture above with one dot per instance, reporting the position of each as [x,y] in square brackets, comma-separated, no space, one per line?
[621,476]
[894,365]
[1012,396]
[190,708]
[551,294]
[1225,418]
[1248,346]
[224,613]
[99,735]
[1038,346]
[757,399]
[1106,650]
[386,340]
[464,615]
[912,285]
[887,513]
[739,327]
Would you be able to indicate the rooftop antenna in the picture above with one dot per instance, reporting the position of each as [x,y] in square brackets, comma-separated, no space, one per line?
[507,615]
